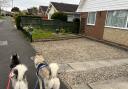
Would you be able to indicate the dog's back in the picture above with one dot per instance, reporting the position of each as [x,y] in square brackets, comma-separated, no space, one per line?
[21,78]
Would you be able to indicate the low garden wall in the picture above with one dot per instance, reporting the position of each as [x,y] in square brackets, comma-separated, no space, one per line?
[119,36]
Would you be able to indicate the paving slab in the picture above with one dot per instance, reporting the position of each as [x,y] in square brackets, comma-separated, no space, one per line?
[119,83]
[81,86]
[65,68]
[83,66]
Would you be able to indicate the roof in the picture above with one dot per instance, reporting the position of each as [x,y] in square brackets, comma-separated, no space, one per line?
[65,7]
[44,8]
[102,5]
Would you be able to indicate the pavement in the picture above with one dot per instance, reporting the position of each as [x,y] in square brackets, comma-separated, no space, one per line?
[13,41]
[119,83]
[98,74]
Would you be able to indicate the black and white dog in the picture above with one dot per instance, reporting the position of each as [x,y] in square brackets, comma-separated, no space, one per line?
[47,74]
[17,74]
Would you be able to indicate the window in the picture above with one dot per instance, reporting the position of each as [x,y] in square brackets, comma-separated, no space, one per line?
[91,18]
[70,18]
[117,18]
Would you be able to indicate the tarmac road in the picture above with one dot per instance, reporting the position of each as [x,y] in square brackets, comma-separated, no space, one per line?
[11,41]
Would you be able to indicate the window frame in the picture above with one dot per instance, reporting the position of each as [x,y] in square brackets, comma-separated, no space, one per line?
[94,20]
[126,23]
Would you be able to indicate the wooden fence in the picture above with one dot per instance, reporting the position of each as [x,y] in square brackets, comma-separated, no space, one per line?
[50,24]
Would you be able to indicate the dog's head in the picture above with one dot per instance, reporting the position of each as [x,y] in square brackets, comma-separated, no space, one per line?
[38,58]
[14,60]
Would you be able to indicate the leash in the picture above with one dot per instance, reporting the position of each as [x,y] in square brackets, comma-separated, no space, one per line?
[9,79]
[36,84]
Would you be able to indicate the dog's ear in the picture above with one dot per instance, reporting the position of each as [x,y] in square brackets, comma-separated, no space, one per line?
[32,58]
[17,55]
[11,57]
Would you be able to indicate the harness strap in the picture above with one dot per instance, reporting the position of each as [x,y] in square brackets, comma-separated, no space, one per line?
[40,66]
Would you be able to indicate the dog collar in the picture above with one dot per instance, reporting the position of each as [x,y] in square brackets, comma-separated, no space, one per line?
[40,66]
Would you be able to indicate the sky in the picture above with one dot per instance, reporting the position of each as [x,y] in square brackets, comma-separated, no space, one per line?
[24,4]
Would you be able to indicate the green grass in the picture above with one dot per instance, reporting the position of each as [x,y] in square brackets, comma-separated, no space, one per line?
[39,34]
[1,17]
[44,33]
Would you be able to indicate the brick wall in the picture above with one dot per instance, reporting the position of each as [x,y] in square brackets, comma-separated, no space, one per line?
[94,31]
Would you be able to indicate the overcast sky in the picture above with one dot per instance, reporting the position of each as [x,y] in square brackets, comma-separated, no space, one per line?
[24,4]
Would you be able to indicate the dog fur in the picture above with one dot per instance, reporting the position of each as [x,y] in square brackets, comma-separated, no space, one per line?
[17,75]
[48,74]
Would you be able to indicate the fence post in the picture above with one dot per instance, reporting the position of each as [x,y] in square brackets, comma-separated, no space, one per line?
[31,38]
[30,34]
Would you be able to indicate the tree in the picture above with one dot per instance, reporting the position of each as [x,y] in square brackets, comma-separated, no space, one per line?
[59,16]
[15,9]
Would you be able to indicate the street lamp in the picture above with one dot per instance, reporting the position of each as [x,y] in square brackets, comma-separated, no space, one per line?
[12,3]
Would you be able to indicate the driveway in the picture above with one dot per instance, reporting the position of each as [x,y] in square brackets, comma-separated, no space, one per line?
[78,50]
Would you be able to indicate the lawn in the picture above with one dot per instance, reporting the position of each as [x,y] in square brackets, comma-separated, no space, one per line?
[47,34]
[39,34]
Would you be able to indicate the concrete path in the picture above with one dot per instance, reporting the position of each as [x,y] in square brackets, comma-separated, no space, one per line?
[89,65]
[119,83]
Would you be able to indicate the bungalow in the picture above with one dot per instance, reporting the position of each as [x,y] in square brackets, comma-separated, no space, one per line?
[69,9]
[42,12]
[105,19]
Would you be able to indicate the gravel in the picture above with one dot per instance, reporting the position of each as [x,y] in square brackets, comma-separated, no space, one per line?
[78,50]
[94,75]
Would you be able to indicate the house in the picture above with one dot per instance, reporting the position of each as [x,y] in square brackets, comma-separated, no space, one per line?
[105,19]
[69,9]
[42,12]
[32,11]
[4,13]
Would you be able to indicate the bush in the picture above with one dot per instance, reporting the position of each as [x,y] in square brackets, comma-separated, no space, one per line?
[18,20]
[59,16]
[76,22]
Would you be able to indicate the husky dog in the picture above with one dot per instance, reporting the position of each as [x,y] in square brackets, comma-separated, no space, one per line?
[47,74]
[17,75]
[14,60]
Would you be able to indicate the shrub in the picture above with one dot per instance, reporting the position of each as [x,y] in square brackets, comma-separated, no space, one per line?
[59,16]
[76,22]
[18,20]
